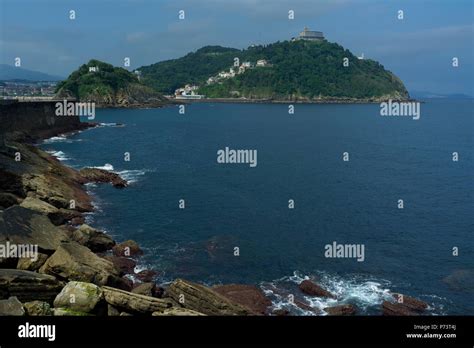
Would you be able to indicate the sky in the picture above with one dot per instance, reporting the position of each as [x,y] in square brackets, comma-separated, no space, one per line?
[418,48]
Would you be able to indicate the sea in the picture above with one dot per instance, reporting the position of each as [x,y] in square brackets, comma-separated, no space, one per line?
[325,175]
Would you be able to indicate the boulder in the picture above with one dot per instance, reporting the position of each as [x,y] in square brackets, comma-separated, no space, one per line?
[28,286]
[146,275]
[345,309]
[128,248]
[103,176]
[248,296]
[397,309]
[410,302]
[312,289]
[95,240]
[202,299]
[64,215]
[37,308]
[134,303]
[25,226]
[177,312]
[281,312]
[147,289]
[123,264]
[11,307]
[73,261]
[38,205]
[30,264]
[79,297]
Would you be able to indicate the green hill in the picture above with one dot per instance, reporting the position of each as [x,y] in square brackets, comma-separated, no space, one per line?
[108,86]
[299,70]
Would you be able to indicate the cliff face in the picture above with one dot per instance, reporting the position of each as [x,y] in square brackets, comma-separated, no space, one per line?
[35,120]
[25,170]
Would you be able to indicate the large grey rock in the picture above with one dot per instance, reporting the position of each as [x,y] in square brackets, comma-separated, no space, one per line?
[11,307]
[19,225]
[31,264]
[202,299]
[38,205]
[134,303]
[28,286]
[73,261]
[177,312]
[79,297]
[95,240]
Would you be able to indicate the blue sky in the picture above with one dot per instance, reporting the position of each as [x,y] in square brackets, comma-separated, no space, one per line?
[419,48]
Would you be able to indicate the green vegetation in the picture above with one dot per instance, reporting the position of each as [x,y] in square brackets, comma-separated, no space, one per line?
[108,85]
[300,70]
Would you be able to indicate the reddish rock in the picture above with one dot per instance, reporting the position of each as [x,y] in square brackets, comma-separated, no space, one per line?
[146,275]
[345,309]
[410,302]
[122,264]
[128,248]
[147,289]
[312,289]
[397,309]
[281,312]
[102,176]
[246,295]
[78,220]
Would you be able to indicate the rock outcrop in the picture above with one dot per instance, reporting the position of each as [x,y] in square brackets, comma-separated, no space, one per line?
[11,307]
[134,303]
[202,299]
[73,261]
[23,226]
[103,176]
[95,240]
[248,296]
[312,289]
[28,286]
[129,248]
[403,305]
[345,309]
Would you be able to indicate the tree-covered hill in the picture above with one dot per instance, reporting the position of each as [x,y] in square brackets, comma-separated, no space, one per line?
[299,70]
[108,86]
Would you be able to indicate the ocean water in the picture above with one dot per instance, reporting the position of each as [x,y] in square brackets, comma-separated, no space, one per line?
[174,157]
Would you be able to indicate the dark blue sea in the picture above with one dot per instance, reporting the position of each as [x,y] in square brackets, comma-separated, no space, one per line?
[300,157]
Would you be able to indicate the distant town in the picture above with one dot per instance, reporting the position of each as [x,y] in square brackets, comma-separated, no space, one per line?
[27,89]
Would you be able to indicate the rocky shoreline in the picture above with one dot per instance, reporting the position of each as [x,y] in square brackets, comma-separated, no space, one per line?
[81,271]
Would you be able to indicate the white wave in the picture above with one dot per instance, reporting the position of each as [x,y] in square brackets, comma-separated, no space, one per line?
[361,291]
[61,156]
[110,124]
[132,175]
[106,166]
[61,139]
[57,139]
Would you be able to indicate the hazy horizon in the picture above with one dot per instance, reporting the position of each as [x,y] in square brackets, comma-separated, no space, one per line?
[48,41]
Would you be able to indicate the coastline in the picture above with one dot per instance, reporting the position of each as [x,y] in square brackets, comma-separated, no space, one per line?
[328,101]
[76,258]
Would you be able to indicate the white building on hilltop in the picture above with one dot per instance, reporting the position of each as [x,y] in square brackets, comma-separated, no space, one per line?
[310,35]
